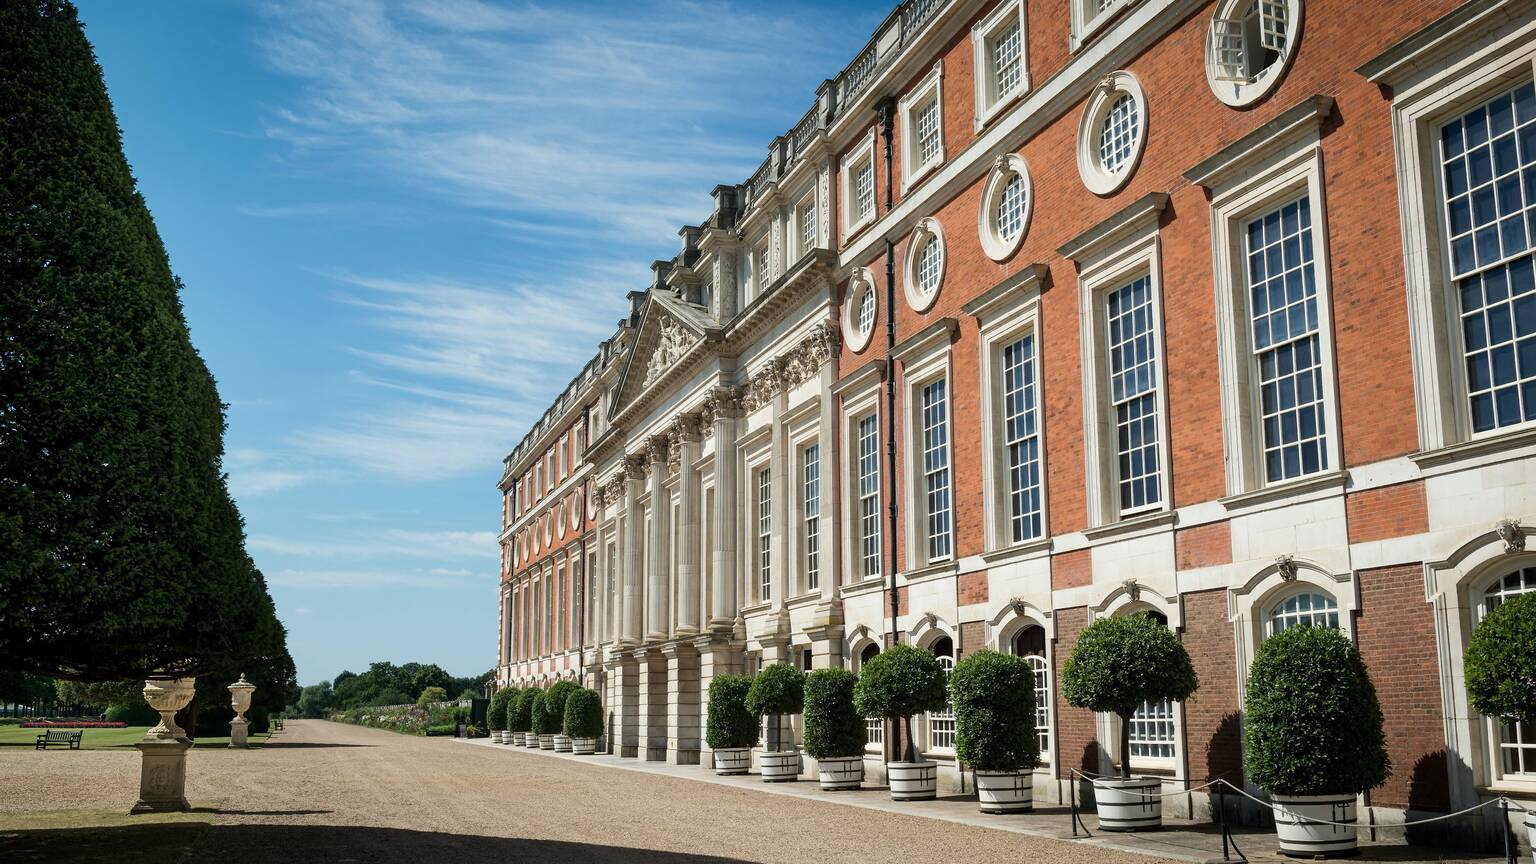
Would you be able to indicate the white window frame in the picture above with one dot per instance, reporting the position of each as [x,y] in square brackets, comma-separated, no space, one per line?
[1004,315]
[860,396]
[861,155]
[1125,248]
[813,523]
[807,204]
[929,91]
[925,361]
[1088,19]
[1233,87]
[1098,179]
[1245,186]
[1435,81]
[856,338]
[1275,608]
[926,232]
[761,475]
[762,264]
[1004,169]
[990,102]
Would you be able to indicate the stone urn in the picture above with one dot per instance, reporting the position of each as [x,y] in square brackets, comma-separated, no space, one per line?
[240,699]
[167,696]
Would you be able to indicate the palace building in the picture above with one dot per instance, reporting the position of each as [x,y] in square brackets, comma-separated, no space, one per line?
[1048,310]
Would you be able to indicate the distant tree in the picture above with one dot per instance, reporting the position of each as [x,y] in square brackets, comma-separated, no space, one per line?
[390,697]
[316,700]
[102,694]
[121,551]
[431,695]
[431,675]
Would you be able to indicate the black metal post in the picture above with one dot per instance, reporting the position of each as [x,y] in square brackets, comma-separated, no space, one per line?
[1509,851]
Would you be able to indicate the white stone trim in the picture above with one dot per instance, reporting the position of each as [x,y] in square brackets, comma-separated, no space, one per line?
[930,88]
[989,102]
[926,231]
[859,280]
[1003,170]
[1098,179]
[862,152]
[1248,603]
[1242,93]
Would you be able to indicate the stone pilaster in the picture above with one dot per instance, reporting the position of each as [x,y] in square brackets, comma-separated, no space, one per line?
[624,675]
[634,564]
[656,593]
[685,445]
[652,704]
[683,703]
[724,409]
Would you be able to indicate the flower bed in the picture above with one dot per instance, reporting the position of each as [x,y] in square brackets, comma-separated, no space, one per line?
[73,724]
[406,719]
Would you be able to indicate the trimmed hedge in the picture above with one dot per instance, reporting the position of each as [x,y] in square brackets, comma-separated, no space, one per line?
[900,682]
[730,723]
[1312,725]
[1501,661]
[545,720]
[994,699]
[833,728]
[1119,663]
[584,714]
[520,711]
[442,729]
[556,696]
[496,714]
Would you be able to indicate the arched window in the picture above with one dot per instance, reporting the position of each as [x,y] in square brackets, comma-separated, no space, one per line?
[1308,608]
[941,724]
[1030,644]
[874,727]
[1152,732]
[1517,740]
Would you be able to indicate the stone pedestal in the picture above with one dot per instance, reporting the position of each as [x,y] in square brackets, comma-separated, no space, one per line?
[238,729]
[162,776]
[682,703]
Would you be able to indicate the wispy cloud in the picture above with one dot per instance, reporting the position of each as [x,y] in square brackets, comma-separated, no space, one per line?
[386,544]
[365,578]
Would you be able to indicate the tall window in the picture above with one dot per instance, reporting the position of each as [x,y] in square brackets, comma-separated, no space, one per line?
[612,574]
[810,461]
[1151,731]
[1282,285]
[1007,60]
[941,724]
[928,132]
[1517,740]
[874,727]
[935,419]
[1021,438]
[764,534]
[1488,156]
[562,624]
[868,442]
[1133,394]
[864,190]
[763,268]
[807,219]
[1311,609]
[1030,644]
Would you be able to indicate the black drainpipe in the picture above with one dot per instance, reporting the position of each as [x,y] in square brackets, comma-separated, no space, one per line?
[886,113]
[581,594]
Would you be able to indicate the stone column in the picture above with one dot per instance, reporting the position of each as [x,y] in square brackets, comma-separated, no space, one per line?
[719,654]
[652,704]
[826,628]
[685,442]
[682,703]
[629,630]
[656,592]
[625,680]
[724,409]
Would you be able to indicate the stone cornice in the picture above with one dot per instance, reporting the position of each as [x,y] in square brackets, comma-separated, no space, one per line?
[1124,221]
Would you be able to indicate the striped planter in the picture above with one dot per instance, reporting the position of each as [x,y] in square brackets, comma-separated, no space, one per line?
[1129,805]
[562,743]
[1005,791]
[913,781]
[583,746]
[732,760]
[780,767]
[1302,838]
[840,772]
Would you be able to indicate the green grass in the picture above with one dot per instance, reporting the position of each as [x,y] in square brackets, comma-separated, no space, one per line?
[107,739]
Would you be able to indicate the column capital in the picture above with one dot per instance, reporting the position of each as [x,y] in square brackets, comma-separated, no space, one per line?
[634,467]
[722,402]
[656,449]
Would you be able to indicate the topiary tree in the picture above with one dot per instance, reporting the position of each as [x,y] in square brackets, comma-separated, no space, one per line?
[1311,724]
[994,699]
[833,729]
[436,694]
[496,714]
[584,714]
[545,721]
[777,690]
[520,711]
[1121,662]
[898,683]
[730,724]
[1501,662]
[555,696]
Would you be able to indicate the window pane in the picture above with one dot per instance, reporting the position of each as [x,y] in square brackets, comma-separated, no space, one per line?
[1133,393]
[1119,134]
[1007,70]
[1517,740]
[868,477]
[935,432]
[1021,439]
[1010,209]
[764,533]
[811,490]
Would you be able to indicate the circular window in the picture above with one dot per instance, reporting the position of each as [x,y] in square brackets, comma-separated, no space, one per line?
[575,510]
[925,265]
[1248,47]
[859,307]
[1113,133]
[1005,207]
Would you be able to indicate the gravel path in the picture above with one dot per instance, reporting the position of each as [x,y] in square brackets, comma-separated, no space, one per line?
[334,793]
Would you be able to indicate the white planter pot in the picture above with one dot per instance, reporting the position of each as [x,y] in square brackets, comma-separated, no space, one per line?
[1005,791]
[913,781]
[733,760]
[531,741]
[1301,837]
[562,743]
[1129,805]
[780,767]
[840,772]
[546,742]
[517,738]
[496,737]
[583,746]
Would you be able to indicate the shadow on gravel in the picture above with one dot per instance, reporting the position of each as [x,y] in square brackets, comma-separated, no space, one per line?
[284,844]
[303,745]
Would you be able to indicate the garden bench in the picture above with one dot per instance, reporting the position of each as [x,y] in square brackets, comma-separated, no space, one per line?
[71,737]
[277,724]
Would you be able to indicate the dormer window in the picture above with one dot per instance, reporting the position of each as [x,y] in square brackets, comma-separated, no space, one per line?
[998,51]
[1249,45]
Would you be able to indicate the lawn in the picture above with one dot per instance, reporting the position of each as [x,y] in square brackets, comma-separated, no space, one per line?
[104,739]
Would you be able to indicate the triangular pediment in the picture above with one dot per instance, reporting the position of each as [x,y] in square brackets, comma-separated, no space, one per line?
[669,329]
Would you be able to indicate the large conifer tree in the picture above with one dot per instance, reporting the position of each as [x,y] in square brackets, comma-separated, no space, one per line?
[121,551]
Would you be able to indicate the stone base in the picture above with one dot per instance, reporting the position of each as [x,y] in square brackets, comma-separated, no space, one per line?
[163,776]
[238,729]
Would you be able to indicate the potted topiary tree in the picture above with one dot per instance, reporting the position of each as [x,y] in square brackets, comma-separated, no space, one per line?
[520,716]
[1312,737]
[1117,664]
[496,714]
[555,699]
[994,699]
[583,720]
[545,721]
[894,685]
[1501,669]
[776,691]
[834,731]
[731,730]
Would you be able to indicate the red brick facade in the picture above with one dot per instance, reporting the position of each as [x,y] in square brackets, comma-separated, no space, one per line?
[1390,511]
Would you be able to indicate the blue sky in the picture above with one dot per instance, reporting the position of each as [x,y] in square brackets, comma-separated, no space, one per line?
[403,226]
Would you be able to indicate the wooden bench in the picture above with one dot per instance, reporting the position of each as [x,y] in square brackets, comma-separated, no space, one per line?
[71,737]
[277,724]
